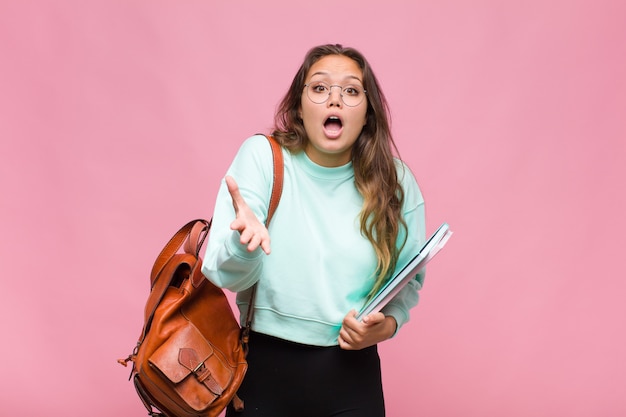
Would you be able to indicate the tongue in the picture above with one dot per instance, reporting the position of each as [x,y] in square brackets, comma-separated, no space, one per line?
[333,125]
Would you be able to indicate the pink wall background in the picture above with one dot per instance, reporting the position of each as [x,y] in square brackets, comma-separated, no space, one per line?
[118,119]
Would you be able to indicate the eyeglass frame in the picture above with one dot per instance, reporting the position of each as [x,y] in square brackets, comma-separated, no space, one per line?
[330,90]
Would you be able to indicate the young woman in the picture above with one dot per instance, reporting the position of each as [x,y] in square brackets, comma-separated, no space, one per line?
[350,215]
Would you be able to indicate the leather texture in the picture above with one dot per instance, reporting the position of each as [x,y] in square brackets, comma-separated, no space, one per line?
[190,358]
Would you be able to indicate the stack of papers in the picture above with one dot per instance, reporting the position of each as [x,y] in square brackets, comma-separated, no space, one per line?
[432,246]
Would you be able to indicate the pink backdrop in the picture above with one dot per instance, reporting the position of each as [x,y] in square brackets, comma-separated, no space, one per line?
[512,117]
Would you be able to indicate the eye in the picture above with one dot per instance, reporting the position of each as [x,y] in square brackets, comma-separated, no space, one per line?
[351,90]
[319,88]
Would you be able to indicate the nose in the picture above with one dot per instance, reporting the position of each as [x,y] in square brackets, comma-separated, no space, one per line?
[334,96]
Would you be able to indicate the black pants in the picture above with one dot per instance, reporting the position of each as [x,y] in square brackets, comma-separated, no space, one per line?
[286,379]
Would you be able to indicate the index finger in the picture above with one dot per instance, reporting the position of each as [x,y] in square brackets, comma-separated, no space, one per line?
[350,319]
[233,189]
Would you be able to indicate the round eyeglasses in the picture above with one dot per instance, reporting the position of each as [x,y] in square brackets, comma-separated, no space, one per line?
[319,92]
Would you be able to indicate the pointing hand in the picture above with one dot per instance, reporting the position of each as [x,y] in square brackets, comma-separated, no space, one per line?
[252,232]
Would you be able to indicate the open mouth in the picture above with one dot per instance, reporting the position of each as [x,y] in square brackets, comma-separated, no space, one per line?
[333,126]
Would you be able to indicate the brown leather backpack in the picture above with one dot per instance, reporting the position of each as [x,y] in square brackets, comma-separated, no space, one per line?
[191,356]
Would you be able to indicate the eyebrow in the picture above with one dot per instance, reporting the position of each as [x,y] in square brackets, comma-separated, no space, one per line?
[346,77]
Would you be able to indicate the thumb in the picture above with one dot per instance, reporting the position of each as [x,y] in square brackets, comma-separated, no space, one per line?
[373,318]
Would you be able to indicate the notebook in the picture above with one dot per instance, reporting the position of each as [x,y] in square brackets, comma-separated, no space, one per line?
[393,286]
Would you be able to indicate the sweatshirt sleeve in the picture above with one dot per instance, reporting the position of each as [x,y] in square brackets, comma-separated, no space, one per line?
[227,263]
[414,216]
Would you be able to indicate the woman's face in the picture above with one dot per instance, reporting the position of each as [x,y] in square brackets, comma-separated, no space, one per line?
[332,127]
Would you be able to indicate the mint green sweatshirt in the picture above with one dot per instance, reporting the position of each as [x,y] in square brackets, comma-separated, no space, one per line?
[320,266]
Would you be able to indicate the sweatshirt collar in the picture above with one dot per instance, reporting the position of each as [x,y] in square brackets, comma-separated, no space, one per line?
[313,169]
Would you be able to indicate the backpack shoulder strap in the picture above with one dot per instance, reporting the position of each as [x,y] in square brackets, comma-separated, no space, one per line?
[277,186]
[277,190]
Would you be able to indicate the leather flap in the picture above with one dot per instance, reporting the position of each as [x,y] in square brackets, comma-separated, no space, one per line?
[185,351]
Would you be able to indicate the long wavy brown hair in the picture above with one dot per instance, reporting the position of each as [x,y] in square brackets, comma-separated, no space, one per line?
[375,174]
